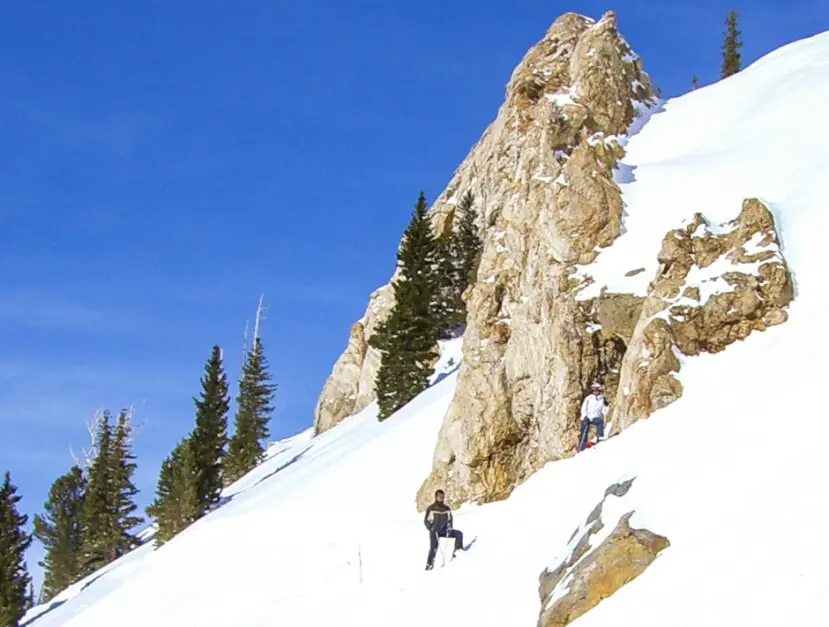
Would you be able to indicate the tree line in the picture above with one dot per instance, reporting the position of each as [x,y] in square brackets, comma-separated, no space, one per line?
[90,515]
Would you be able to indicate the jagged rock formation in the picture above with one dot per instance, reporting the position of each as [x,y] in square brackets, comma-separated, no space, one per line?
[600,558]
[350,387]
[715,286]
[543,174]
[543,179]
[545,163]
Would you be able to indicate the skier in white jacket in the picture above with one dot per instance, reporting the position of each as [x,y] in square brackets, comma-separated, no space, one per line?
[593,412]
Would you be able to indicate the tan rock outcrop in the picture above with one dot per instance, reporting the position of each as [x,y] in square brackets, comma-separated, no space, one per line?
[350,386]
[543,178]
[597,563]
[715,286]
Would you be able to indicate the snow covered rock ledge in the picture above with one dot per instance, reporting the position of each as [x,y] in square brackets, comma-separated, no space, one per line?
[603,555]
[716,285]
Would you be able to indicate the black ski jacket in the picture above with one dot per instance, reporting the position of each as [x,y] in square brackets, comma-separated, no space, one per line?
[438,517]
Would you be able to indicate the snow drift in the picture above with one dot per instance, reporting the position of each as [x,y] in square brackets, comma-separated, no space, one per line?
[326,532]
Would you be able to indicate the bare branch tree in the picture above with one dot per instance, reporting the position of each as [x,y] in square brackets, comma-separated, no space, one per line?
[245,343]
[132,427]
[259,317]
[93,427]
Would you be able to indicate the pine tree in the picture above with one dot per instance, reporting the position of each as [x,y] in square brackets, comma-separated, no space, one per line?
[14,579]
[459,251]
[469,244]
[694,83]
[731,46]
[253,413]
[124,490]
[175,505]
[97,512]
[107,516]
[210,435]
[59,531]
[448,307]
[407,338]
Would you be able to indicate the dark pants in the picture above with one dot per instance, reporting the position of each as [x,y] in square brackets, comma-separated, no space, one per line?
[585,429]
[443,533]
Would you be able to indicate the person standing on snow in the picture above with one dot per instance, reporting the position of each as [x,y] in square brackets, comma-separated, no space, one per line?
[593,412]
[438,521]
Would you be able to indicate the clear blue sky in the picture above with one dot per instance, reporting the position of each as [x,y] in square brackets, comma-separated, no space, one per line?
[165,161]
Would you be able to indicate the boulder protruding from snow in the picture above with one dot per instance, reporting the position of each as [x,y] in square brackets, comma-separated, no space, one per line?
[716,285]
[603,555]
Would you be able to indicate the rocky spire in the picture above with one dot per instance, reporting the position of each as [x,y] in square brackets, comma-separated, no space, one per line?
[541,171]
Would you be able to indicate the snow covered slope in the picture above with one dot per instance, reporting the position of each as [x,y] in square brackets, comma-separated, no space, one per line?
[325,532]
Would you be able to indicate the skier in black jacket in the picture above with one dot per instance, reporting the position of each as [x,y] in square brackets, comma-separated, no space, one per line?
[438,521]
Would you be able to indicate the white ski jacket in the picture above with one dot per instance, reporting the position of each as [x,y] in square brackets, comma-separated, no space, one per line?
[593,407]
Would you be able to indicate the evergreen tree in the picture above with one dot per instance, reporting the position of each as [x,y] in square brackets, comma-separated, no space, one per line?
[175,505]
[14,579]
[59,531]
[459,251]
[448,307]
[407,337]
[731,46]
[97,512]
[253,413]
[210,435]
[694,83]
[123,489]
[109,499]
[469,243]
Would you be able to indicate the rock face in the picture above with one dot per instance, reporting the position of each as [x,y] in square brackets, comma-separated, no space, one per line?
[350,387]
[603,555]
[715,286]
[543,178]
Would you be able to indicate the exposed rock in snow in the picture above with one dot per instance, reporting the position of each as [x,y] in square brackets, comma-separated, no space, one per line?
[603,555]
[715,286]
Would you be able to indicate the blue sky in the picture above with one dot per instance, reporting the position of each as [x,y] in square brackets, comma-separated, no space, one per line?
[165,161]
